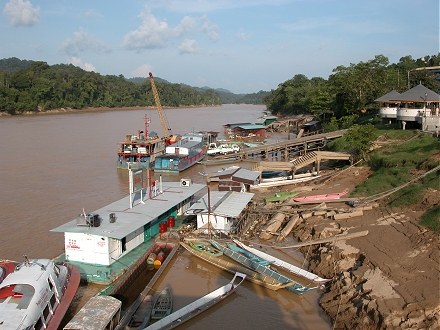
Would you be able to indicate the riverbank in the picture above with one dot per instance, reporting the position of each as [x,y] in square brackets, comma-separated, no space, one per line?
[91,109]
[388,279]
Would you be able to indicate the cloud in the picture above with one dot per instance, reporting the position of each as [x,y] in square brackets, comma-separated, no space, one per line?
[188,46]
[141,71]
[243,36]
[80,63]
[22,13]
[210,29]
[151,34]
[154,33]
[82,41]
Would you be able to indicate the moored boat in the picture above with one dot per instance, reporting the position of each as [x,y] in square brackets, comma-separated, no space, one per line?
[205,247]
[283,264]
[6,267]
[200,305]
[290,285]
[140,151]
[233,267]
[251,256]
[163,305]
[37,294]
[186,152]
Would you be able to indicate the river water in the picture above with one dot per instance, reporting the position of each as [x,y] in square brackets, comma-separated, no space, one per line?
[55,165]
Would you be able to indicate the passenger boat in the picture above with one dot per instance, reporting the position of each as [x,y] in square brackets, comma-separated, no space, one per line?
[99,313]
[200,305]
[292,286]
[37,294]
[186,152]
[233,267]
[283,264]
[140,150]
[163,305]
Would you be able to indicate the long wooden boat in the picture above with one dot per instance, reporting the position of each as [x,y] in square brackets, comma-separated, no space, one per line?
[163,305]
[35,287]
[205,247]
[253,257]
[292,286]
[283,264]
[233,267]
[322,197]
[200,305]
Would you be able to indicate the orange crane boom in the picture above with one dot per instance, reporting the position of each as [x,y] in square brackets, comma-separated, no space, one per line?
[163,120]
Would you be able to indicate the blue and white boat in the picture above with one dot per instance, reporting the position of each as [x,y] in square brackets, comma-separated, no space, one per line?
[186,152]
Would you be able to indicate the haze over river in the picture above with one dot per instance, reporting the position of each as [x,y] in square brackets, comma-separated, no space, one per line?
[54,166]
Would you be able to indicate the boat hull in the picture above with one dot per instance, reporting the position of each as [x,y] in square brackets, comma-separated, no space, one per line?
[290,285]
[232,267]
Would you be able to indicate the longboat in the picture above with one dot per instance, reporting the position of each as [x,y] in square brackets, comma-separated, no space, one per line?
[163,305]
[283,264]
[198,306]
[233,267]
[37,294]
[290,284]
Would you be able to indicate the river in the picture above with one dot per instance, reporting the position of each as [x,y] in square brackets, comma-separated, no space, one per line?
[55,165]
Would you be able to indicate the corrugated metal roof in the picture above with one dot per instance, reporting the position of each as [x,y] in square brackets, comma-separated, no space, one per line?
[246,174]
[130,219]
[251,126]
[223,203]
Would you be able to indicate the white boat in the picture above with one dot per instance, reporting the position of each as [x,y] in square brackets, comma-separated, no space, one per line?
[37,294]
[200,305]
[283,264]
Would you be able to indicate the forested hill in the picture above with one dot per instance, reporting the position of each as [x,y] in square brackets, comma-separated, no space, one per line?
[36,86]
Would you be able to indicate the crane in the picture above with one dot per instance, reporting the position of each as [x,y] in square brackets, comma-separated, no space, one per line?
[163,120]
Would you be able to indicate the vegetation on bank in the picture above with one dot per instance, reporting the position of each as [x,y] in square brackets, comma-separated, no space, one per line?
[351,90]
[403,156]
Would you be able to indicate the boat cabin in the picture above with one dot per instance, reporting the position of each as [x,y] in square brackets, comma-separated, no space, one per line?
[99,313]
[105,242]
[221,210]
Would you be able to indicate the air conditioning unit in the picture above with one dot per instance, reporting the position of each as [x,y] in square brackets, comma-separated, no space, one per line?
[185,182]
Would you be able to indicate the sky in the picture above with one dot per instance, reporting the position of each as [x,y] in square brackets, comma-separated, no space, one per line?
[244,46]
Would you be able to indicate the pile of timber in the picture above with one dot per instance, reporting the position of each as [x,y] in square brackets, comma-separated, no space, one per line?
[287,217]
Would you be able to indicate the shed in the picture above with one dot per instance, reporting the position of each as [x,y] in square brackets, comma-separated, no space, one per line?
[223,208]
[236,179]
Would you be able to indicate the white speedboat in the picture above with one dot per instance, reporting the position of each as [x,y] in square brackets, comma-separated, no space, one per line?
[37,294]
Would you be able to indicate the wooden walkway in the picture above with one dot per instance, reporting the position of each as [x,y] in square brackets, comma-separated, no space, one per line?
[284,150]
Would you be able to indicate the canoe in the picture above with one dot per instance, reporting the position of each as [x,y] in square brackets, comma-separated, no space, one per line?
[233,267]
[198,306]
[163,305]
[206,248]
[283,264]
[291,285]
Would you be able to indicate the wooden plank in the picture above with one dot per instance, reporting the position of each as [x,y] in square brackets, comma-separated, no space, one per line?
[325,240]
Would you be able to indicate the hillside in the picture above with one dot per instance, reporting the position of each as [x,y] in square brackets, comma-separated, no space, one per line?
[35,86]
